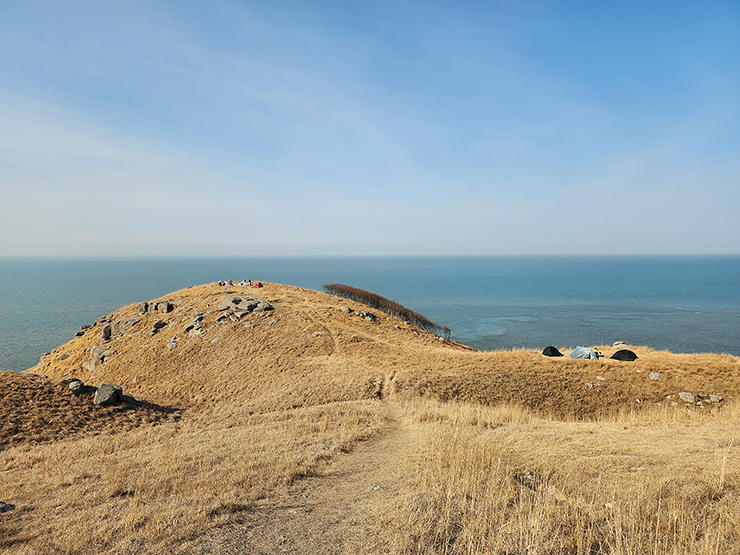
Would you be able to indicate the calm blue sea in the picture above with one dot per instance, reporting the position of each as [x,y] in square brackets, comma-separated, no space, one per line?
[680,303]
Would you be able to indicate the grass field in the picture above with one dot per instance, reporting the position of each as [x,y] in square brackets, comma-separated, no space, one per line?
[513,452]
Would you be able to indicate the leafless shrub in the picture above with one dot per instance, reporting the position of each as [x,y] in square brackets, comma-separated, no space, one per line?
[392,308]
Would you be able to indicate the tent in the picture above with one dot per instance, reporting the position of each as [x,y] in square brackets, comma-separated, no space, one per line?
[624,354]
[583,352]
[551,352]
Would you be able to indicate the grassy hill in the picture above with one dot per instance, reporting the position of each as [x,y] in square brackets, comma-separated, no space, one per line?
[511,448]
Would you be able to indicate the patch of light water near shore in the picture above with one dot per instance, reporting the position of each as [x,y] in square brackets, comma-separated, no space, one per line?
[685,304]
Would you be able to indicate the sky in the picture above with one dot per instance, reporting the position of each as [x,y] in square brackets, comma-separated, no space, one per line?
[369,128]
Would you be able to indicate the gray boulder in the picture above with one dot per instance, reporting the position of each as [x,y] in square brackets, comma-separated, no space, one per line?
[142,308]
[6,507]
[118,327]
[716,398]
[345,309]
[76,386]
[686,397]
[108,394]
[98,355]
[262,307]
[654,376]
[229,302]
[102,320]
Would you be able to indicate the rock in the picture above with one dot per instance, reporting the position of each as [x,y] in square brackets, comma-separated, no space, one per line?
[686,397]
[619,344]
[64,356]
[142,308]
[716,398]
[102,320]
[216,340]
[98,355]
[6,507]
[92,364]
[228,302]
[223,317]
[262,307]
[118,327]
[654,376]
[99,349]
[125,324]
[345,309]
[79,333]
[84,327]
[76,386]
[158,325]
[164,306]
[590,385]
[602,378]
[108,394]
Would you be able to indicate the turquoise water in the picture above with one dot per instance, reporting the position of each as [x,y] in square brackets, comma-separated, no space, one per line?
[680,303]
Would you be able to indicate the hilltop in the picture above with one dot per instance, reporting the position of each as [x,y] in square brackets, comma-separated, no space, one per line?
[305,350]
[280,418]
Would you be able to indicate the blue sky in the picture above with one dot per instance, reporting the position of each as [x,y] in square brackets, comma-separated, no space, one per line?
[258,128]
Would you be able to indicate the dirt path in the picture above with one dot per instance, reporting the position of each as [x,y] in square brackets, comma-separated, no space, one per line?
[333,513]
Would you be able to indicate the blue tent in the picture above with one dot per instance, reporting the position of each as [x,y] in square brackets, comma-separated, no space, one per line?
[583,352]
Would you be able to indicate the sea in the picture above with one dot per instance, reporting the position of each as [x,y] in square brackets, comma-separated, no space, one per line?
[684,304]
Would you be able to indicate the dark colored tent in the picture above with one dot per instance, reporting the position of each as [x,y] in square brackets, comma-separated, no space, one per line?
[624,354]
[551,352]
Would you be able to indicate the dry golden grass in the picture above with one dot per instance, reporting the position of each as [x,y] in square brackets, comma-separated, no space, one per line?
[34,410]
[502,480]
[152,489]
[517,453]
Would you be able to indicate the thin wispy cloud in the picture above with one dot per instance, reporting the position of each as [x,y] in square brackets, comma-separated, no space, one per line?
[391,128]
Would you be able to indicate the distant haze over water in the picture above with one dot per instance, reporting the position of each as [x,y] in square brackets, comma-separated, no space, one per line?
[680,303]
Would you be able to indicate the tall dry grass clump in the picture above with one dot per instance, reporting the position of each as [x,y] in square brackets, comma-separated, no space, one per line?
[388,306]
[504,481]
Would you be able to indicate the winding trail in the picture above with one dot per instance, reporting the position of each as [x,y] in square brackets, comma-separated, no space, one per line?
[335,512]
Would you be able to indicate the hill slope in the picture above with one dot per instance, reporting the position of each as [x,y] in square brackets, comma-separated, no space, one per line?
[308,351]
